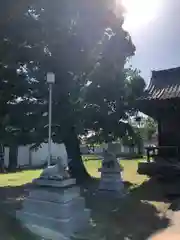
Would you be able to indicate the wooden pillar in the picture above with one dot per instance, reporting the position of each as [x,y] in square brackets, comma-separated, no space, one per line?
[159,133]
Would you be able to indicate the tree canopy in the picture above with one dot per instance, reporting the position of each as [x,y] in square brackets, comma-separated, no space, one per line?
[84,44]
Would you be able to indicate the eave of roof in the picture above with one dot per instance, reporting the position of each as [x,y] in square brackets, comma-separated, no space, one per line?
[165,84]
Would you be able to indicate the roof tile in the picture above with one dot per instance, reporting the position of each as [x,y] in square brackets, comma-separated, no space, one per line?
[165,84]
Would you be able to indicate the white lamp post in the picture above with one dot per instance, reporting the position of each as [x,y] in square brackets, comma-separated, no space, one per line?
[50,81]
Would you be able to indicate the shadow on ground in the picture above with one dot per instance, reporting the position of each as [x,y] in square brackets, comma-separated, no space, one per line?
[10,228]
[151,190]
[12,196]
[132,217]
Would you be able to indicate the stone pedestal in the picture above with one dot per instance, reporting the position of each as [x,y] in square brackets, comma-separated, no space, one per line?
[54,209]
[111,180]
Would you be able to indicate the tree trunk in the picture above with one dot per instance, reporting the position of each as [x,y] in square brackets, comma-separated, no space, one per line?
[76,166]
[139,149]
[13,152]
[2,167]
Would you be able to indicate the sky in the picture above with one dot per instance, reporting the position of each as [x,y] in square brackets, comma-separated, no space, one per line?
[154,26]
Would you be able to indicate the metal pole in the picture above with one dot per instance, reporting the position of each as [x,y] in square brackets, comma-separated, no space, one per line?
[50,124]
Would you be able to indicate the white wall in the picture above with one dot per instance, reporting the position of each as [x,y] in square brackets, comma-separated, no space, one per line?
[6,156]
[84,149]
[125,149]
[23,158]
[26,156]
[98,150]
[40,156]
[116,148]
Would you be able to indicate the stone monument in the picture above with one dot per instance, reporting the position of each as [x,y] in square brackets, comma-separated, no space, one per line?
[111,180]
[54,208]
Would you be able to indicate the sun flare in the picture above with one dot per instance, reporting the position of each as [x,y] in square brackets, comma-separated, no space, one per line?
[140,12]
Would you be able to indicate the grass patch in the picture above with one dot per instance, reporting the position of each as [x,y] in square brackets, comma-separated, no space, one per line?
[18,178]
[129,170]
[92,165]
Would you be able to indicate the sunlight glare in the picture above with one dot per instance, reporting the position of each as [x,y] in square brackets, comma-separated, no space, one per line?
[140,12]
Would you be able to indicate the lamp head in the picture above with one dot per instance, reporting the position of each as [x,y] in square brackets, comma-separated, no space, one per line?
[50,77]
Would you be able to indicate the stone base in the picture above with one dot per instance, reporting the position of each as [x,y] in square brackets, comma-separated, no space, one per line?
[111,183]
[111,176]
[54,183]
[45,233]
[54,209]
[53,195]
[109,171]
[65,210]
[109,195]
[65,227]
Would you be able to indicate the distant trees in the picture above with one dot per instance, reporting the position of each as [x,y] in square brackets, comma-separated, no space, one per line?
[110,102]
[144,130]
[150,128]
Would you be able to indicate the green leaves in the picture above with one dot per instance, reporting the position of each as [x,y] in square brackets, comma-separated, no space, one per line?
[84,44]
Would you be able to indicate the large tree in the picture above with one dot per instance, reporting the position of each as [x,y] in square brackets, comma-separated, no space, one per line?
[84,44]
[87,54]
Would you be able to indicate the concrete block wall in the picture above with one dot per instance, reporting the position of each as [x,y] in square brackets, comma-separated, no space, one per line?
[40,156]
[35,158]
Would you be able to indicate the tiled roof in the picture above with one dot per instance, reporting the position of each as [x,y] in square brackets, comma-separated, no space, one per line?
[165,84]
